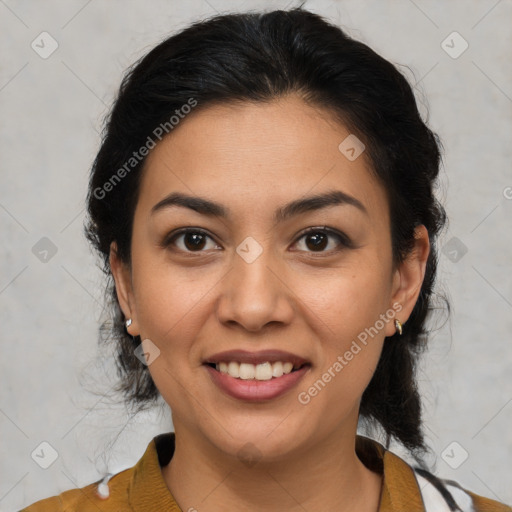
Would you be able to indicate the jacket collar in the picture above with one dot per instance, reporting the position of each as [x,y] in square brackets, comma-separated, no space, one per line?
[400,490]
[148,490]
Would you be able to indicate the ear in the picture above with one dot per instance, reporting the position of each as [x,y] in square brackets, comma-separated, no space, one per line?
[122,278]
[408,278]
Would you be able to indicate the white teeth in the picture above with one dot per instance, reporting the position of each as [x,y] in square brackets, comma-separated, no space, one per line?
[233,369]
[247,371]
[277,369]
[287,367]
[264,371]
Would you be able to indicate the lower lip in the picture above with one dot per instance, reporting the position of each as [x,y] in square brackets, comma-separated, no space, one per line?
[256,390]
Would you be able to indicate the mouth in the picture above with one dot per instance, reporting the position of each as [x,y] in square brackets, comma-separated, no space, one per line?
[263,371]
[256,376]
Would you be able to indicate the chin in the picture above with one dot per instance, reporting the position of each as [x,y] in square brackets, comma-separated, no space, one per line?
[254,440]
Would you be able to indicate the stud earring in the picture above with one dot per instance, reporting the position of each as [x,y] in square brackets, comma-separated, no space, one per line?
[398,326]
[128,322]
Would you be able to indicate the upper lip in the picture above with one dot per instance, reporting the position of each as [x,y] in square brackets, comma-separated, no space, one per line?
[244,356]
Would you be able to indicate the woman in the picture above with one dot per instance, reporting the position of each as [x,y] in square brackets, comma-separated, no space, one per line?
[263,201]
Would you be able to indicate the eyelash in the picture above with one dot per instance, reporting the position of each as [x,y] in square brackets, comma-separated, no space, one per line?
[344,241]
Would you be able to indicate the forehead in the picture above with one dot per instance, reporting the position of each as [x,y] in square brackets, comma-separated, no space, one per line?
[258,154]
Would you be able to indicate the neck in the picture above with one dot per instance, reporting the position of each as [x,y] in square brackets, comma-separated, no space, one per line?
[201,477]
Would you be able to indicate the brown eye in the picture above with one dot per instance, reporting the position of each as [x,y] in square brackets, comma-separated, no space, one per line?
[194,241]
[189,240]
[317,239]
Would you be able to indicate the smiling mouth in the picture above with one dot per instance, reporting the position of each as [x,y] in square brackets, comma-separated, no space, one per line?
[263,371]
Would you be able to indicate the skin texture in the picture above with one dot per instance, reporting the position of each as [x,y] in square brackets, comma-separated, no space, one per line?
[253,158]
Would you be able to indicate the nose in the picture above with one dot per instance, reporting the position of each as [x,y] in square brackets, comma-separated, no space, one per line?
[255,293]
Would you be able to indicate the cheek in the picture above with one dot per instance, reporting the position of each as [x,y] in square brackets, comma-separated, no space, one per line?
[347,354]
[169,300]
[347,313]
[350,299]
[170,311]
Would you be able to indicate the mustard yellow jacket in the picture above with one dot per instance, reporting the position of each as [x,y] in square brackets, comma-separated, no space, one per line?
[142,488]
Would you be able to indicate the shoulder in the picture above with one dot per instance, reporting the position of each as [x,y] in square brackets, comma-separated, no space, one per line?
[140,487]
[411,488]
[442,495]
[89,498]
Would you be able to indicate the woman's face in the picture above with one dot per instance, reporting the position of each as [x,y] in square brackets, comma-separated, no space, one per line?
[248,278]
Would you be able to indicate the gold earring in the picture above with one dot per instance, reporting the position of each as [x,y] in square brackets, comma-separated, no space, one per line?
[398,326]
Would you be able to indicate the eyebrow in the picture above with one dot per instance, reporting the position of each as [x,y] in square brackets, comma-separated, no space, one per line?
[303,205]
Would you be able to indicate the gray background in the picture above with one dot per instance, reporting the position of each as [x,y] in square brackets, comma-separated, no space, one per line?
[55,384]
